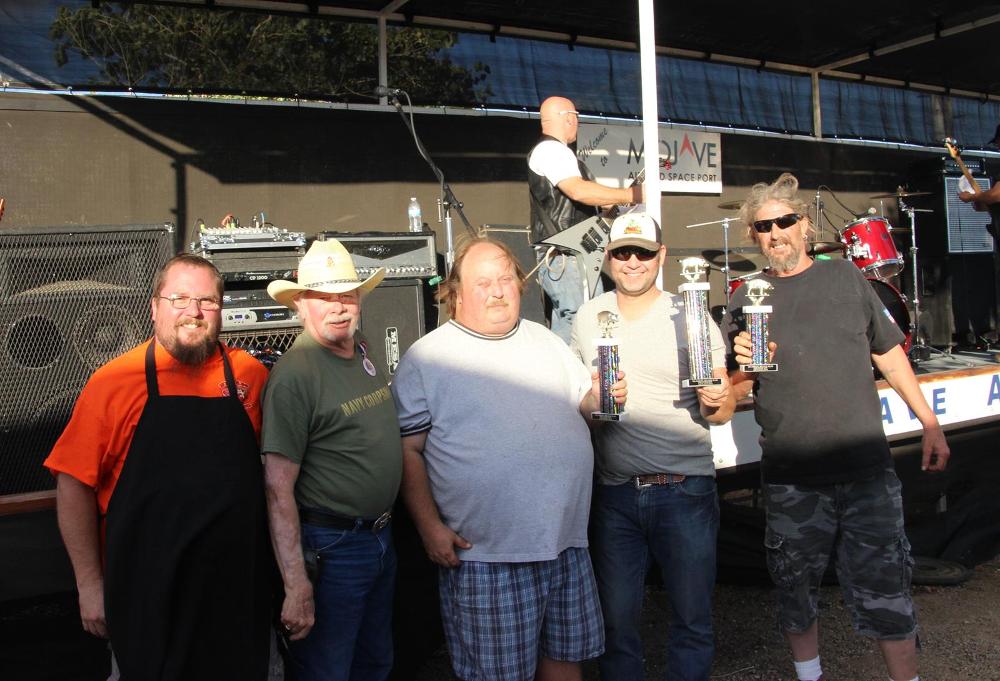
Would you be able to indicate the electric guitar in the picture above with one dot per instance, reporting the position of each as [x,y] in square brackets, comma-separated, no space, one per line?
[588,238]
[952,146]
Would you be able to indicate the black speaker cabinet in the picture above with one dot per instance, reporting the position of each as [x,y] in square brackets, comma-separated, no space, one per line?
[393,317]
[71,299]
[518,239]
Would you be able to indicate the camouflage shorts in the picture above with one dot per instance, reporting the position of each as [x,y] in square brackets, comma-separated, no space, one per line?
[863,522]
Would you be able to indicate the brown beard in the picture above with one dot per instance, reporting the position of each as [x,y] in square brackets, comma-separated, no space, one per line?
[193,355]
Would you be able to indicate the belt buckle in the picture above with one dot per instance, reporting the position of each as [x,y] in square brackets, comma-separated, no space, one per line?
[640,485]
[381,521]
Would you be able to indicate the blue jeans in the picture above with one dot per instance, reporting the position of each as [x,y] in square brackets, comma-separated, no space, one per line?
[564,285]
[352,637]
[678,524]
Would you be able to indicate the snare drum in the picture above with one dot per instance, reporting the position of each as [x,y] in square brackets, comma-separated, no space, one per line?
[870,247]
[895,303]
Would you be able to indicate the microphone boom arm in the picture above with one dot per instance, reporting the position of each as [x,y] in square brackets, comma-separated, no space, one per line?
[448,199]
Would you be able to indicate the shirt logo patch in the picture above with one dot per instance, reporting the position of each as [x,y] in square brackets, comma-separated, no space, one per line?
[242,390]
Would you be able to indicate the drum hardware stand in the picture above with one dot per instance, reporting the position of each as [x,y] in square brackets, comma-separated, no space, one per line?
[820,217]
[918,339]
[725,246]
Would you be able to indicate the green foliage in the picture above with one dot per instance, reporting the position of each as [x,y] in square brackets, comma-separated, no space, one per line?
[144,46]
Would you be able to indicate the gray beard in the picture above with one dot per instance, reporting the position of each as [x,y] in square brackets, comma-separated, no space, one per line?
[787,265]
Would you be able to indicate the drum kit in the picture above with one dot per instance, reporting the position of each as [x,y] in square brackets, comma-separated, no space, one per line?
[867,242]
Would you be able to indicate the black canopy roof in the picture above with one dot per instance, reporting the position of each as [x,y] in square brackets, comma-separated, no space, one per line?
[943,44]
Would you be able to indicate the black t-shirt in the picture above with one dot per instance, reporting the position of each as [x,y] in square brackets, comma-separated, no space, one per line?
[820,414]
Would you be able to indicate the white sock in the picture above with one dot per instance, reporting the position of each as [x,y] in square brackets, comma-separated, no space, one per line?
[809,670]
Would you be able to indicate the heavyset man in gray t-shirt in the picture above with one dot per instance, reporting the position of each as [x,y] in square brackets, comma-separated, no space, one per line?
[656,478]
[497,476]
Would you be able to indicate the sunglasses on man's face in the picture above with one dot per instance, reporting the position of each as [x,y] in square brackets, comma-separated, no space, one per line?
[626,252]
[783,221]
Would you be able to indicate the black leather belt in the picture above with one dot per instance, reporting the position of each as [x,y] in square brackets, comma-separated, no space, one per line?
[310,516]
[651,479]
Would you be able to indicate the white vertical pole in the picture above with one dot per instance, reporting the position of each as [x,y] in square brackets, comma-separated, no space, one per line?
[383,56]
[650,116]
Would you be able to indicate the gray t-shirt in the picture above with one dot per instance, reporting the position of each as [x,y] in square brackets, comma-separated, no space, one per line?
[663,431]
[508,453]
[819,414]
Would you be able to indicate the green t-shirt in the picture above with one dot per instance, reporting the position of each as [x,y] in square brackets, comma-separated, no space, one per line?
[339,423]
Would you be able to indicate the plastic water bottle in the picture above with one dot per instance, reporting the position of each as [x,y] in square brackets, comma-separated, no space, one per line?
[413,213]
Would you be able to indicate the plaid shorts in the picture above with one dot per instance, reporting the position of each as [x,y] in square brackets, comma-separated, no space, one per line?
[862,521]
[499,617]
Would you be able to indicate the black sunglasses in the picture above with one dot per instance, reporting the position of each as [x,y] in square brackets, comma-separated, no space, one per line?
[626,252]
[784,221]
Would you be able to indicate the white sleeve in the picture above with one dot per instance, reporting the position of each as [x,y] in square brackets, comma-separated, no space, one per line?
[554,160]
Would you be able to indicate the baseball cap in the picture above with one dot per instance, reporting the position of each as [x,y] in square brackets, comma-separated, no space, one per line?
[634,229]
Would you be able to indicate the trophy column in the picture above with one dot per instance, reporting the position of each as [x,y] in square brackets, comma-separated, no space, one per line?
[696,319]
[757,315]
[608,363]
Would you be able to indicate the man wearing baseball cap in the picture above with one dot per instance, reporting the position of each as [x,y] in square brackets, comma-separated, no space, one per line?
[656,477]
[333,464]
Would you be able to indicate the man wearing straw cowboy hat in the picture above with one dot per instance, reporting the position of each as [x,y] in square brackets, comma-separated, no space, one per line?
[333,464]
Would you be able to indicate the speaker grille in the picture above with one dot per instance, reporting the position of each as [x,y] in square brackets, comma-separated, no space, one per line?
[267,345]
[71,299]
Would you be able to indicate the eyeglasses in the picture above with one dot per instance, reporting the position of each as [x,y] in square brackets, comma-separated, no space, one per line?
[183,302]
[783,221]
[626,252]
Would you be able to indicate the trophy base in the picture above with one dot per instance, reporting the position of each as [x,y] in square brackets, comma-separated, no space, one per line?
[758,368]
[699,382]
[604,416]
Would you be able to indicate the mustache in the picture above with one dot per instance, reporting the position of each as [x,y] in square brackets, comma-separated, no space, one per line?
[338,318]
[184,321]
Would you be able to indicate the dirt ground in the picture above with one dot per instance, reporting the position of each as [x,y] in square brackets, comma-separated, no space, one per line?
[958,635]
[42,641]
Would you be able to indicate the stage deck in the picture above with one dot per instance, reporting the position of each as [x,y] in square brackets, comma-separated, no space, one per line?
[962,388]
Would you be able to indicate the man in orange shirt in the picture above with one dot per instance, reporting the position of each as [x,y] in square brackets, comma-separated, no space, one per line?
[160,494]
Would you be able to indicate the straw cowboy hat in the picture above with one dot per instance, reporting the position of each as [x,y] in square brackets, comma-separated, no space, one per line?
[327,268]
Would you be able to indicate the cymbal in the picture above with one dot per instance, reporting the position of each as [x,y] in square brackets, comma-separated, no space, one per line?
[819,247]
[737,262]
[730,205]
[899,195]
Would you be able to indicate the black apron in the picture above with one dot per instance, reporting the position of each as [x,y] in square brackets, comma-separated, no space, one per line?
[189,561]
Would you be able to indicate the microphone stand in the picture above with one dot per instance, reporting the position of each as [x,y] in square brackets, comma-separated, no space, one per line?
[448,200]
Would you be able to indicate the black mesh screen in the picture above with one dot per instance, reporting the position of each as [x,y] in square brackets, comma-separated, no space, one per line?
[267,345]
[71,299]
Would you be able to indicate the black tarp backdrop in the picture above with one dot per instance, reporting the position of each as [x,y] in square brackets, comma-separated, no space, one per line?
[755,93]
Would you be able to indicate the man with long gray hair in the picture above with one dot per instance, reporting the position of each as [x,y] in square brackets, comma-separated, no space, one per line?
[827,476]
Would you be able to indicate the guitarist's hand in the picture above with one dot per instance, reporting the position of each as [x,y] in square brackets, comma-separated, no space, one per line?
[970,197]
[638,193]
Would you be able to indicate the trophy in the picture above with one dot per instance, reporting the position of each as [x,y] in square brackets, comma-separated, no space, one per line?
[607,367]
[756,316]
[697,319]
